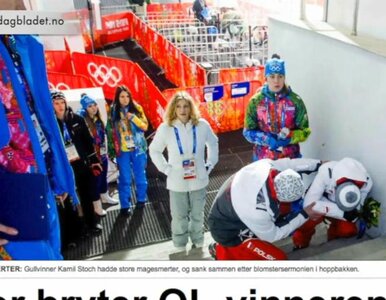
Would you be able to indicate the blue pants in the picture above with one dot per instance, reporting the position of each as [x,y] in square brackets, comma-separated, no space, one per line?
[101,179]
[187,210]
[128,163]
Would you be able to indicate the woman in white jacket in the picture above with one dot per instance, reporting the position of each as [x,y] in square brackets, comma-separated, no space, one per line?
[185,136]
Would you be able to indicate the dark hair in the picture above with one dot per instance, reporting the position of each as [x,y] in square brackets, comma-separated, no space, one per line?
[275,55]
[117,105]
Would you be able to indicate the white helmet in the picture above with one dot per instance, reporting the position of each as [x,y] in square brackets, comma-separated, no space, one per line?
[347,196]
[289,186]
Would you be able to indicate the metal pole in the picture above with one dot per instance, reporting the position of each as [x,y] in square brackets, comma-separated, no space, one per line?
[91,24]
[250,41]
[325,11]
[355,19]
[302,10]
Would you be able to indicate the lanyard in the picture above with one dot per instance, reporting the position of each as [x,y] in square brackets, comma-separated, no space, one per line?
[124,122]
[100,134]
[269,115]
[66,134]
[179,140]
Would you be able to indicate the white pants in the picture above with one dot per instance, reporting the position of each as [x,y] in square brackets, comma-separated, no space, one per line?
[187,210]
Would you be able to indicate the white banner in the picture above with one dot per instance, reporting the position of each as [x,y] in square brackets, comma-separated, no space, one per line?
[38,22]
[189,289]
[194,269]
[192,280]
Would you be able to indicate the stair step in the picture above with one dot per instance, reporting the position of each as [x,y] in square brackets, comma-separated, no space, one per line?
[354,249]
[131,50]
[161,251]
[319,249]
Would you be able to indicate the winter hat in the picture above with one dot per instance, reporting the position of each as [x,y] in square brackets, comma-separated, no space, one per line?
[275,65]
[86,101]
[56,94]
[289,186]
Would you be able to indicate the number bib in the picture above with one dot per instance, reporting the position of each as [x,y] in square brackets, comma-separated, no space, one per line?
[71,152]
[189,167]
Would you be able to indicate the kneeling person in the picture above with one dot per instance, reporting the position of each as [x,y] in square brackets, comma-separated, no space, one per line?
[251,212]
[339,190]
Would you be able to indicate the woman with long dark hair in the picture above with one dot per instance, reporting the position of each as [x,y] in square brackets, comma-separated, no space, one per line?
[126,141]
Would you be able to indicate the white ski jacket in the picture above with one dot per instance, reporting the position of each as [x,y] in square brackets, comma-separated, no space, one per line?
[172,167]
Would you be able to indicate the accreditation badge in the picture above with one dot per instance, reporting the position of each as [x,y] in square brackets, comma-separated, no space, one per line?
[42,138]
[103,150]
[189,167]
[129,141]
[71,152]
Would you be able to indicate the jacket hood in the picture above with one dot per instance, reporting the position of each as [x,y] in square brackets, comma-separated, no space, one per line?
[351,169]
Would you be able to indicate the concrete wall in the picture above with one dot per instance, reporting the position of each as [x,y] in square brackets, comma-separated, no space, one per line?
[371,16]
[344,89]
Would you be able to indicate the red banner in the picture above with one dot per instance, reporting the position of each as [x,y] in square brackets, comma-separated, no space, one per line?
[58,61]
[152,100]
[242,74]
[62,81]
[108,73]
[225,114]
[167,9]
[105,72]
[115,28]
[179,68]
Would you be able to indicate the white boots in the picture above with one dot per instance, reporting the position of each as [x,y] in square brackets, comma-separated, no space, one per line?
[107,199]
[98,208]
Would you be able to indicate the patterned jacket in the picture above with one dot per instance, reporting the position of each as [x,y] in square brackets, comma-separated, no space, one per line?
[21,98]
[138,125]
[98,132]
[267,113]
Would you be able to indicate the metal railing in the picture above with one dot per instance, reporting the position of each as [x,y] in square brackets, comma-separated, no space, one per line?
[234,47]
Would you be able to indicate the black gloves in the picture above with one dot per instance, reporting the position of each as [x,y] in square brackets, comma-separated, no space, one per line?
[351,215]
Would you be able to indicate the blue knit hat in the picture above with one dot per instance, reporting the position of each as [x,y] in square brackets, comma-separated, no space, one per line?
[86,101]
[274,66]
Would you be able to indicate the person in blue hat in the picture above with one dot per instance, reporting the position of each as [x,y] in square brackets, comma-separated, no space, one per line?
[95,124]
[276,119]
[85,164]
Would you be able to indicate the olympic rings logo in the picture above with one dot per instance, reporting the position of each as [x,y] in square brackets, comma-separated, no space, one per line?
[276,67]
[104,75]
[59,86]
